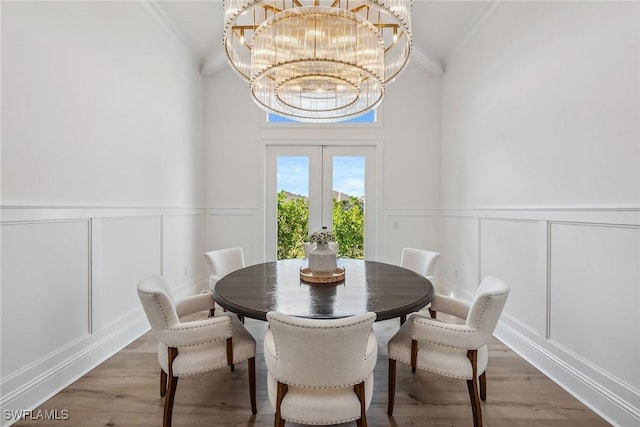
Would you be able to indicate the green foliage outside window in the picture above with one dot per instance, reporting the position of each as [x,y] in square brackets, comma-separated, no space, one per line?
[348,226]
[293,228]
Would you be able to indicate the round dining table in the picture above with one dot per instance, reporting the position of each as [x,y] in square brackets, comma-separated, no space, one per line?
[387,290]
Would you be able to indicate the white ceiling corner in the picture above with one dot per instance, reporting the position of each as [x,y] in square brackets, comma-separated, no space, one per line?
[472,28]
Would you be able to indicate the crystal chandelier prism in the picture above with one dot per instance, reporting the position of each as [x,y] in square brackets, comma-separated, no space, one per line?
[318,60]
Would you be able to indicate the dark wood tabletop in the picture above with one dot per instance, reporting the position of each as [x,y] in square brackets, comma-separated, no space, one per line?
[387,290]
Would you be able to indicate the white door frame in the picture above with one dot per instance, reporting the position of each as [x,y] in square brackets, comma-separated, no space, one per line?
[371,150]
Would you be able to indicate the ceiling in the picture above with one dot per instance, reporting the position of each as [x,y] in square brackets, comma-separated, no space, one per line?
[438,29]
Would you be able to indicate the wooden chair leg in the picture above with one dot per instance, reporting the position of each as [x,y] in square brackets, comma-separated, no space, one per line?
[359,390]
[483,386]
[168,402]
[414,355]
[403,319]
[163,383]
[392,386]
[173,383]
[212,312]
[230,354]
[472,385]
[433,313]
[252,383]
[282,390]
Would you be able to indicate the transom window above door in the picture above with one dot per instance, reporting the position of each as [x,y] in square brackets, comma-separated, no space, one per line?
[369,117]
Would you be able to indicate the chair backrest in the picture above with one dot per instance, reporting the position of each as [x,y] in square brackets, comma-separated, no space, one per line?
[224,261]
[487,306]
[321,353]
[157,302]
[308,247]
[418,260]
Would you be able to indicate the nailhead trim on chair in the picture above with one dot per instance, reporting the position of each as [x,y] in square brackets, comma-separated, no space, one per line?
[406,362]
[211,369]
[486,302]
[322,388]
[318,327]
[154,295]
[321,424]
[444,326]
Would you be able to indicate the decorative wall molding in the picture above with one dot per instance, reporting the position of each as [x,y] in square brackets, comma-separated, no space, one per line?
[21,213]
[249,235]
[30,385]
[591,214]
[40,381]
[431,66]
[611,397]
[548,359]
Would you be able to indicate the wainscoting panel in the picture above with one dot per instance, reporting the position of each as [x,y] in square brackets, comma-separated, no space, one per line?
[131,250]
[69,278]
[516,252]
[45,290]
[183,241]
[235,228]
[458,264]
[595,293]
[575,291]
[410,230]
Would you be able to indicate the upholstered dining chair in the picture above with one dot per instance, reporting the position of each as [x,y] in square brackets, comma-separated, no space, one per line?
[420,261]
[452,350]
[320,371]
[192,347]
[222,262]
[308,247]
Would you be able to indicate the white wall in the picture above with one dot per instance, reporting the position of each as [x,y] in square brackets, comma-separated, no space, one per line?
[540,185]
[408,164]
[529,144]
[103,108]
[102,184]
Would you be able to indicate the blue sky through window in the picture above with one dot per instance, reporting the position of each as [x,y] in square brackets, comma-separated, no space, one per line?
[348,174]
[293,174]
[369,117]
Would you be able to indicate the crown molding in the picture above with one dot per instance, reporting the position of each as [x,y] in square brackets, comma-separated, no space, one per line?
[472,29]
[430,65]
[213,65]
[151,6]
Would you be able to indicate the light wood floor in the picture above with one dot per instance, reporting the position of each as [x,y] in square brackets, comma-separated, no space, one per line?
[124,391]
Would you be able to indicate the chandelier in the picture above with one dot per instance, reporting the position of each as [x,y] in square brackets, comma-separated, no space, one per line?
[318,60]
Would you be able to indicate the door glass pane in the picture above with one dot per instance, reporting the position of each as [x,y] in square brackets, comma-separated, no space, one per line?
[348,205]
[293,205]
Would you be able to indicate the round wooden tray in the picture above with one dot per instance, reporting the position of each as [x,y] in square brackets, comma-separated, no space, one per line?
[306,275]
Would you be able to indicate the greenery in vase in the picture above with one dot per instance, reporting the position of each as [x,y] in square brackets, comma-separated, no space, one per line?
[322,237]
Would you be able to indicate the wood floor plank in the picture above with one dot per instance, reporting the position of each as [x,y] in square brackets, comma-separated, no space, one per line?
[124,391]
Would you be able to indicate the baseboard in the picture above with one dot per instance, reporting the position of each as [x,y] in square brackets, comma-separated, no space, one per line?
[94,349]
[550,360]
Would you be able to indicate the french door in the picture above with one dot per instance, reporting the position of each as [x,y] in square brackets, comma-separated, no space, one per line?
[307,187]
